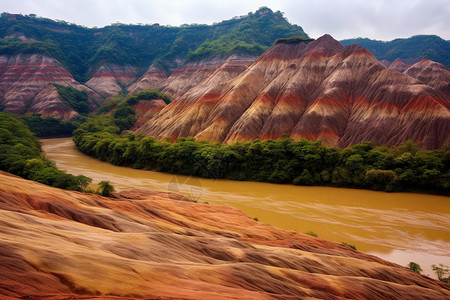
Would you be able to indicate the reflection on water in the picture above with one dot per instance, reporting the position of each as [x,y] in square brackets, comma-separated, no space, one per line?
[400,227]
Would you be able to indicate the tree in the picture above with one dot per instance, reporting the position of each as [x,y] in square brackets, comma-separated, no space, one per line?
[106,188]
[414,267]
[305,178]
[408,147]
[442,271]
[379,178]
[82,182]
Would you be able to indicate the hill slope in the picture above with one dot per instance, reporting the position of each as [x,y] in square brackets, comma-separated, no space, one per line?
[58,245]
[35,52]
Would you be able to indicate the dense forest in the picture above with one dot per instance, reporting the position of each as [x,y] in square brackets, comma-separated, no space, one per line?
[45,127]
[80,49]
[402,168]
[410,50]
[21,154]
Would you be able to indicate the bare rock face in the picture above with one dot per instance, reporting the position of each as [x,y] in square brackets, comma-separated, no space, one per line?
[24,76]
[318,90]
[399,65]
[146,109]
[432,73]
[153,78]
[58,244]
[48,103]
[24,81]
[190,75]
[202,81]
[109,79]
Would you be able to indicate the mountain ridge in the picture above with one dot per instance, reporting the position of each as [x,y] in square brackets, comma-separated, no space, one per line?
[318,90]
[410,50]
[106,61]
[140,45]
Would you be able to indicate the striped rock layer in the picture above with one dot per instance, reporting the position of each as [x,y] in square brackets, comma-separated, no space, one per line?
[26,86]
[58,244]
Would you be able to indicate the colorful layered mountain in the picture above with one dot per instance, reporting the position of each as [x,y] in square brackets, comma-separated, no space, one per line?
[110,79]
[146,109]
[153,77]
[111,60]
[57,244]
[318,90]
[432,73]
[192,74]
[24,86]
[399,65]
[48,103]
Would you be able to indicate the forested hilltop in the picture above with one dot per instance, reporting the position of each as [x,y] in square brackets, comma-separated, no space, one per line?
[81,49]
[410,50]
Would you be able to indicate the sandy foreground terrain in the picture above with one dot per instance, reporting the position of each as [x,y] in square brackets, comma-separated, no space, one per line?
[57,244]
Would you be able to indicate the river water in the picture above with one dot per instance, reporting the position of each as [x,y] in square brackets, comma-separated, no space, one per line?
[399,227]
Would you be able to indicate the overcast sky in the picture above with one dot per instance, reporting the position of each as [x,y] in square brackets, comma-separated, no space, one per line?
[376,19]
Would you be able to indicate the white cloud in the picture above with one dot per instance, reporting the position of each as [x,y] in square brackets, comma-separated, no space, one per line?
[379,19]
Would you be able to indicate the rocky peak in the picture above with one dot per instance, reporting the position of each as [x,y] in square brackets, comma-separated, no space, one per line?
[399,65]
[431,73]
[328,43]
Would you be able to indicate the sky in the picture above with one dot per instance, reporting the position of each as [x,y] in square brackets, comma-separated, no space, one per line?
[375,19]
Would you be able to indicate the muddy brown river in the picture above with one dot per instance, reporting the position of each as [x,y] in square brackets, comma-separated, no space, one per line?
[399,227]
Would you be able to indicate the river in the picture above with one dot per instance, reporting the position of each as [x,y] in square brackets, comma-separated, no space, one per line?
[399,227]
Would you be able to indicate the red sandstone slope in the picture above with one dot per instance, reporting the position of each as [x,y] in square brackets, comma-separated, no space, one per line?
[48,103]
[57,244]
[432,73]
[203,89]
[146,109]
[109,79]
[192,74]
[24,81]
[399,65]
[317,90]
[154,77]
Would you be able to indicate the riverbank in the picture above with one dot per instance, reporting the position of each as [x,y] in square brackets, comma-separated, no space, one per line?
[402,168]
[400,227]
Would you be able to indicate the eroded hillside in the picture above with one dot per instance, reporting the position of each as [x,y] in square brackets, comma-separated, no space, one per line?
[58,244]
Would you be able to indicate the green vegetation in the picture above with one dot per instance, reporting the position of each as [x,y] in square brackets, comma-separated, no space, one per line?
[402,168]
[81,49]
[348,245]
[105,188]
[442,272]
[415,48]
[311,233]
[20,154]
[245,37]
[76,99]
[414,267]
[123,114]
[48,126]
[292,40]
[147,95]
